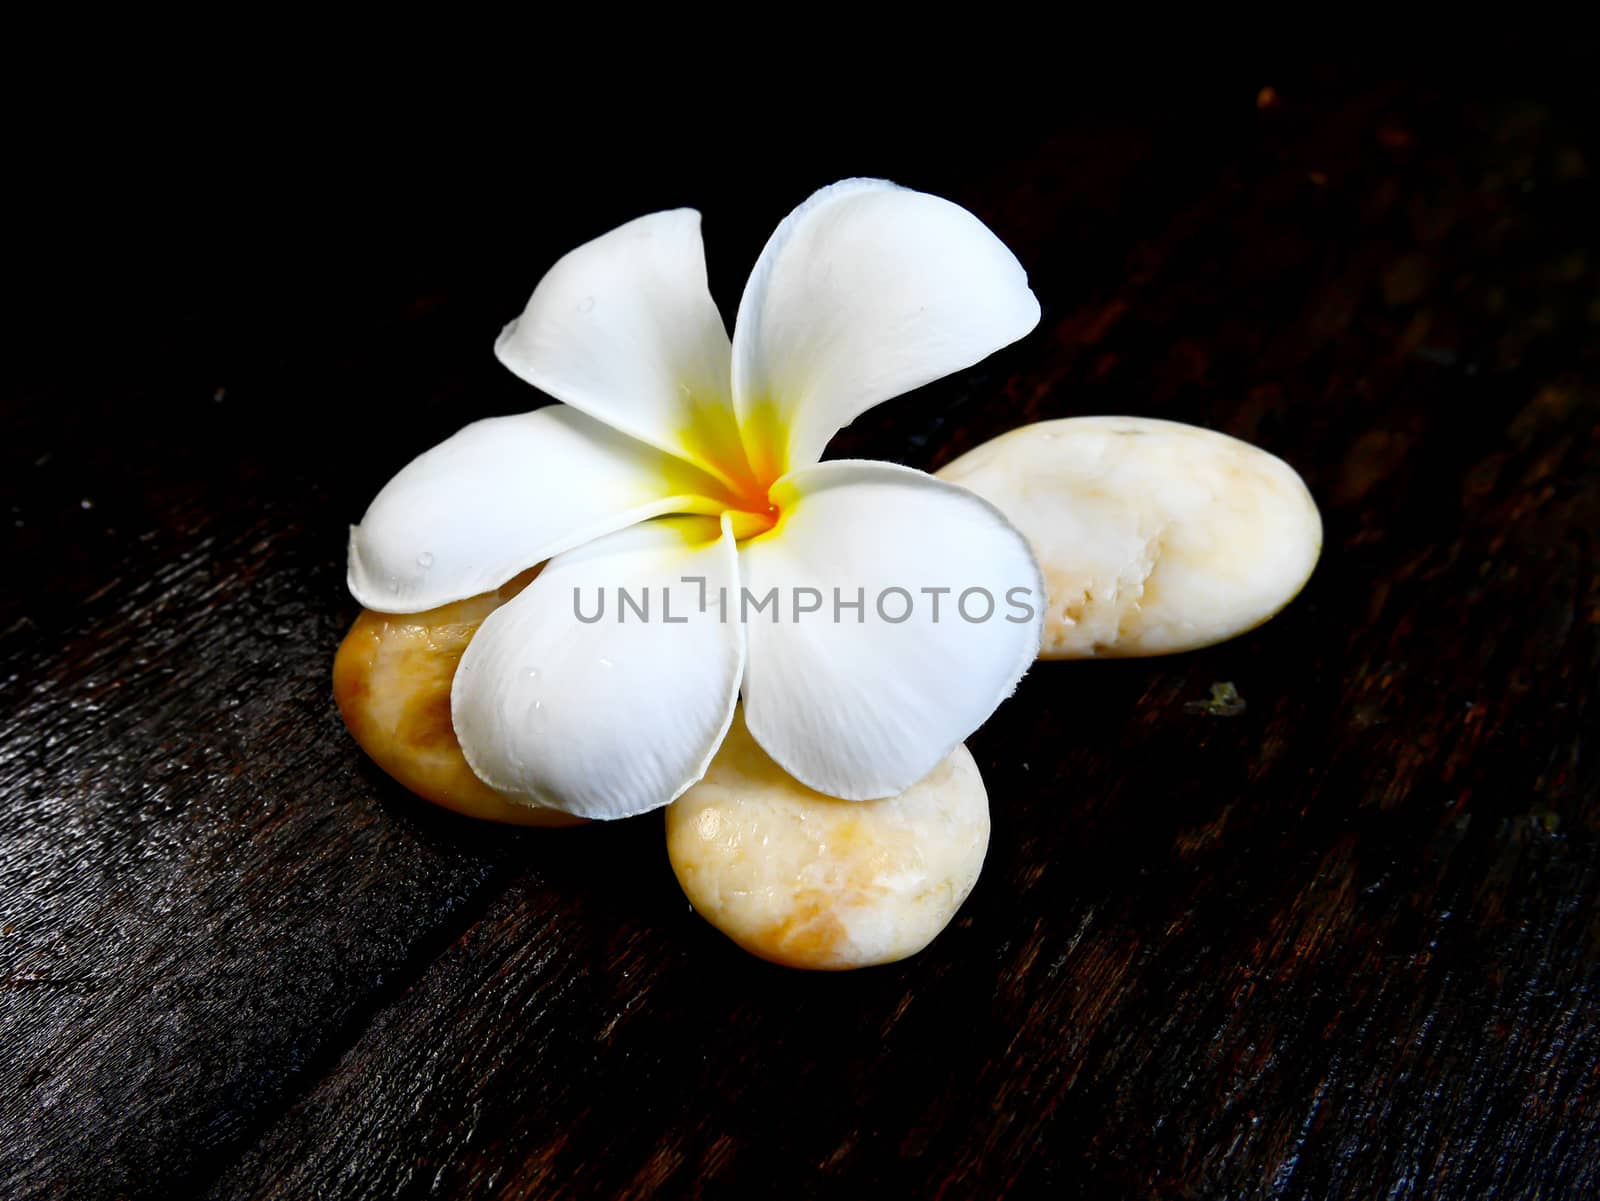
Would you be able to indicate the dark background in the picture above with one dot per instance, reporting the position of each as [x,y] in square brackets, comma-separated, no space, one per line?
[1343,944]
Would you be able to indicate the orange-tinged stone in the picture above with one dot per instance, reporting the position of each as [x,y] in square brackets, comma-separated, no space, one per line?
[812,882]
[391,681]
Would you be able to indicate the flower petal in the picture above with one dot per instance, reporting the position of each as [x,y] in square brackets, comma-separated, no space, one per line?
[863,704]
[616,716]
[502,495]
[867,290]
[625,329]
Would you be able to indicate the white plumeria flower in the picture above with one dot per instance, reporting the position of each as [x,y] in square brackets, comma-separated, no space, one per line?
[681,455]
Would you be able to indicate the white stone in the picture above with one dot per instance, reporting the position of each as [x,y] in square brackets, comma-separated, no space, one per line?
[812,882]
[1153,537]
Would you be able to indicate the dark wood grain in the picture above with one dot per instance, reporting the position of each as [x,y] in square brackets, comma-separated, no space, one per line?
[1343,943]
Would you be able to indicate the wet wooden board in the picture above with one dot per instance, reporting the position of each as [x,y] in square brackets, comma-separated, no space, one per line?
[1343,943]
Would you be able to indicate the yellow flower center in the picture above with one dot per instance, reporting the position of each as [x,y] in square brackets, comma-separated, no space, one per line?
[746,458]
[749,523]
[747,501]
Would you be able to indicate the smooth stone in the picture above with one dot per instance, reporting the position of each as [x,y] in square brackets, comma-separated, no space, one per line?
[391,681]
[809,881]
[1153,537]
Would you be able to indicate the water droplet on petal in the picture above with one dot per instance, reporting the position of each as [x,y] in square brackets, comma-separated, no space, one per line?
[586,304]
[604,662]
[425,560]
